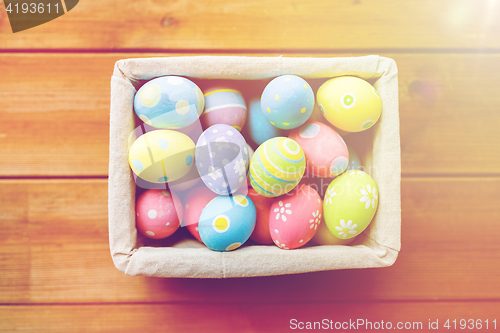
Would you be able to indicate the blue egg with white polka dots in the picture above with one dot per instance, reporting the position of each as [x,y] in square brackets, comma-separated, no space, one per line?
[169,102]
[226,223]
[287,101]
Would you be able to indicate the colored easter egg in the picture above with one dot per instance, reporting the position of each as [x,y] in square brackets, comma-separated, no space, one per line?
[227,222]
[222,159]
[287,101]
[195,200]
[224,106]
[250,155]
[262,204]
[294,218]
[324,237]
[191,179]
[158,213]
[169,102]
[354,160]
[161,156]
[277,167]
[259,128]
[326,152]
[319,184]
[349,103]
[350,203]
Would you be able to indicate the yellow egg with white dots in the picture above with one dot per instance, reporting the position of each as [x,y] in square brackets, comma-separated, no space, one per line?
[161,156]
[349,103]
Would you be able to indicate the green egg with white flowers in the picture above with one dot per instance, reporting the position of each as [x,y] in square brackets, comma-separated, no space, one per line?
[350,203]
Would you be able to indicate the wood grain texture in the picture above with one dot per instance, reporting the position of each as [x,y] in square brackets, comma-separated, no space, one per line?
[271,25]
[54,113]
[241,317]
[58,231]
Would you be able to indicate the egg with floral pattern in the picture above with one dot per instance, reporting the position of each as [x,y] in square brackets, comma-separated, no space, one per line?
[350,204]
[287,101]
[222,159]
[349,103]
[294,218]
[158,213]
[326,152]
[169,102]
[227,222]
[161,156]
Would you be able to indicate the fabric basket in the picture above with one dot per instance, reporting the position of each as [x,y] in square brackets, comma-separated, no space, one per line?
[377,246]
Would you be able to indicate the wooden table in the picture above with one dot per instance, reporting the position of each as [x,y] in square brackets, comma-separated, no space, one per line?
[56,272]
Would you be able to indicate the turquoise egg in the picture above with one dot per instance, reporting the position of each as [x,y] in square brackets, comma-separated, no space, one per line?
[354,160]
[287,101]
[259,128]
[226,223]
[169,102]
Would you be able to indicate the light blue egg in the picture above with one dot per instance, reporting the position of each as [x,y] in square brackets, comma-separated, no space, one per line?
[259,128]
[354,160]
[287,101]
[169,102]
[226,223]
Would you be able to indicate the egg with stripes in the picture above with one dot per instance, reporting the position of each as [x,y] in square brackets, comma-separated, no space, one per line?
[227,222]
[349,103]
[224,106]
[222,159]
[161,156]
[169,102]
[294,218]
[287,101]
[277,166]
[158,213]
[350,204]
[326,152]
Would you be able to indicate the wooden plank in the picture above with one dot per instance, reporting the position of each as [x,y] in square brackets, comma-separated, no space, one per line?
[449,244]
[259,24]
[54,111]
[243,317]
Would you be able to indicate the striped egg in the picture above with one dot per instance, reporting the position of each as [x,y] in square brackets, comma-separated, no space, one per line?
[277,167]
[169,102]
[224,106]
[161,156]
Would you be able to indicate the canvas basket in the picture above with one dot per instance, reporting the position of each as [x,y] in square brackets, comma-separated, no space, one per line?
[377,246]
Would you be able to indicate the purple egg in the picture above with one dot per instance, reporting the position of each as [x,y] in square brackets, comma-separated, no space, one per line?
[222,159]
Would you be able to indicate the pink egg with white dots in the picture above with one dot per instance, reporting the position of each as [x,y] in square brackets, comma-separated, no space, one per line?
[195,200]
[158,213]
[295,217]
[325,150]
